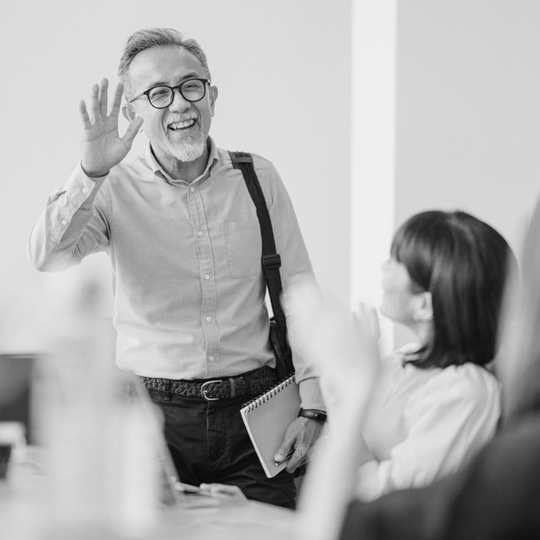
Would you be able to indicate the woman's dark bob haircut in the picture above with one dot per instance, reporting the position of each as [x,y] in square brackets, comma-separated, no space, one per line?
[463,263]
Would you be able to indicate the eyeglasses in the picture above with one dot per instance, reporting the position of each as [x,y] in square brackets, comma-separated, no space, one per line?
[162,96]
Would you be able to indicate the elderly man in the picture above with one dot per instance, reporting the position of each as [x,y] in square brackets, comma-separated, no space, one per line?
[183,238]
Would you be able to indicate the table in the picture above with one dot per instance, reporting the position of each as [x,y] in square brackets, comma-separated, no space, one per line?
[24,516]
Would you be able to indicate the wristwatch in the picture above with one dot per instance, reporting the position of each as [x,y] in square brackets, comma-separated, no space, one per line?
[313,414]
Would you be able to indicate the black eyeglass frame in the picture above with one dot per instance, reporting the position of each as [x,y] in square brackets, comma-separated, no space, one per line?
[172,89]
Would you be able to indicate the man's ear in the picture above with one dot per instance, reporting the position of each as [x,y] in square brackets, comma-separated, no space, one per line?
[128,112]
[213,94]
[424,307]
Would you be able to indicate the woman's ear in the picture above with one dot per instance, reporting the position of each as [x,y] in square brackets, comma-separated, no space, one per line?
[424,307]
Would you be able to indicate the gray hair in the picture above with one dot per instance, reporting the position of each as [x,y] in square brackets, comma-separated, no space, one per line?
[158,37]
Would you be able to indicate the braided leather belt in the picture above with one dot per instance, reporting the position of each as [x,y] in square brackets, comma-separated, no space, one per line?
[252,383]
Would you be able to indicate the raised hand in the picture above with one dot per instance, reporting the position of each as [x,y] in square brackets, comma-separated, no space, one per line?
[102,146]
[344,348]
[351,343]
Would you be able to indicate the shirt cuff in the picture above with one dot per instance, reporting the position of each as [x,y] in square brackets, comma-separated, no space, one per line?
[86,186]
[310,394]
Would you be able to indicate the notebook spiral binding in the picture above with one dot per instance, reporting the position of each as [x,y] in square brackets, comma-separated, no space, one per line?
[252,404]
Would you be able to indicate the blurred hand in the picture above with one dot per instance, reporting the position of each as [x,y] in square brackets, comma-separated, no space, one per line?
[345,351]
[102,147]
[231,494]
[343,347]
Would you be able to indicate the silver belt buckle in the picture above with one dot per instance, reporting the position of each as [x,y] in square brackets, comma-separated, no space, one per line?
[204,390]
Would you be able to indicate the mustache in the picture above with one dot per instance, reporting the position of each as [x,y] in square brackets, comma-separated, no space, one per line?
[182,117]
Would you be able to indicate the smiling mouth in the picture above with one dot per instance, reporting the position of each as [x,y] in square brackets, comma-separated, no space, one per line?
[182,126]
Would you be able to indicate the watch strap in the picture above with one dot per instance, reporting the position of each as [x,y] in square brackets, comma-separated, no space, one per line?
[313,414]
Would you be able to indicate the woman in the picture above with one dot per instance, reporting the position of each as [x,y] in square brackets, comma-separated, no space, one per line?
[496,496]
[435,403]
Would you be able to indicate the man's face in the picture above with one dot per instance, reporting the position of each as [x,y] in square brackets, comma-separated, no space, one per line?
[180,131]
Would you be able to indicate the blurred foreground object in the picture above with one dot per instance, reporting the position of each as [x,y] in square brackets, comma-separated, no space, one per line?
[345,350]
[104,475]
[5,454]
[12,445]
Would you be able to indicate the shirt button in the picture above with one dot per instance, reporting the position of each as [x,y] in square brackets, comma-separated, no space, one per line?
[192,189]
[206,276]
[211,358]
[208,319]
[84,190]
[200,233]
[64,222]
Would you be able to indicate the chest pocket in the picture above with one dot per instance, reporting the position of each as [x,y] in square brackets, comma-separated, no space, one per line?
[244,247]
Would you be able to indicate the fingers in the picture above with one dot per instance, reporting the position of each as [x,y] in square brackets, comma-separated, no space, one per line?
[132,130]
[84,115]
[287,450]
[227,494]
[299,438]
[99,100]
[367,328]
[284,453]
[103,97]
[94,102]
[366,322]
[374,321]
[224,489]
[117,99]
[295,462]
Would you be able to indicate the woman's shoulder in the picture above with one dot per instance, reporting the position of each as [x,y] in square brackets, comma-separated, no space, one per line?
[468,381]
[467,375]
[469,390]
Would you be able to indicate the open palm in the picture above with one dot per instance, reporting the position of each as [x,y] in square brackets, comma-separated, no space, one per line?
[102,146]
[343,349]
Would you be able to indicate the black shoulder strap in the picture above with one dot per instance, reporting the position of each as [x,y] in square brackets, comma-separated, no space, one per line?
[271,261]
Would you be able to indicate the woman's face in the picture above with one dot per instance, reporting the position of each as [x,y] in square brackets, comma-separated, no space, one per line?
[398,297]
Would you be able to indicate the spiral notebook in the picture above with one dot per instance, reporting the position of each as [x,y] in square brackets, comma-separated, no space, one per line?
[267,418]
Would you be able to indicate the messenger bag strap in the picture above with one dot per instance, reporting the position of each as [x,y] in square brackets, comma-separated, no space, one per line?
[270,260]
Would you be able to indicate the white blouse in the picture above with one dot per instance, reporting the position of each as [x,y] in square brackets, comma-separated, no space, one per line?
[423,424]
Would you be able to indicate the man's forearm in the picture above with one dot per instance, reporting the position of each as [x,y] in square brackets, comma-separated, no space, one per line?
[55,241]
[310,394]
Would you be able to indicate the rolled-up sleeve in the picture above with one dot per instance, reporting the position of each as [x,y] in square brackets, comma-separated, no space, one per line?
[71,226]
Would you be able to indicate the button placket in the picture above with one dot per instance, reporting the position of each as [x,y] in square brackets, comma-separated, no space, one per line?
[205,257]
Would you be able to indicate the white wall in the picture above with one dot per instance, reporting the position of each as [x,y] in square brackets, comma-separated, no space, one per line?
[462,91]
[462,88]
[283,72]
[373,152]
[468,110]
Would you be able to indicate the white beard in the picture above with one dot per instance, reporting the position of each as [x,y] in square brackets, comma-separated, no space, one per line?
[189,150]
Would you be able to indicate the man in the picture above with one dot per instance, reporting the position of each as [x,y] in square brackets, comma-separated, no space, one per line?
[183,237]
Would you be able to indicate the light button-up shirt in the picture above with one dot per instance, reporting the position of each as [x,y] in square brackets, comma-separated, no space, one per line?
[189,296]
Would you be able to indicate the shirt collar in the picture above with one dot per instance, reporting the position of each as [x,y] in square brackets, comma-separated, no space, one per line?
[157,169]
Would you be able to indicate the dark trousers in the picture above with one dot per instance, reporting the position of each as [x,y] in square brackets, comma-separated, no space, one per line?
[209,443]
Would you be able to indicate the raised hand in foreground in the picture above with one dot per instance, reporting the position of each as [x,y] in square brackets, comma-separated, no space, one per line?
[345,349]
